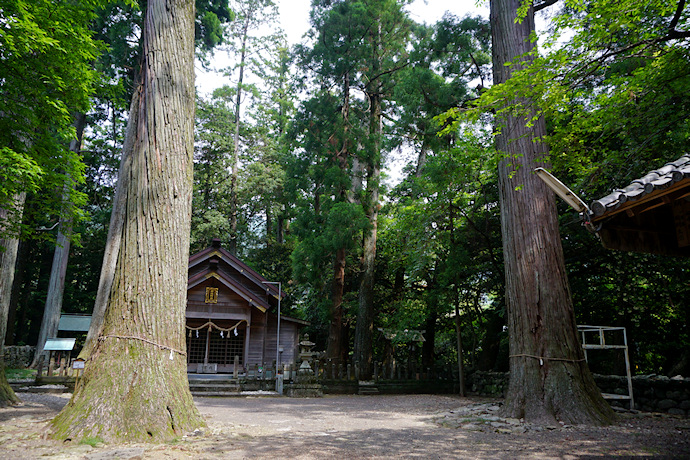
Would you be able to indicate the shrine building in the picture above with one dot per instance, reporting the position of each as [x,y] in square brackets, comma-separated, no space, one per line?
[232,316]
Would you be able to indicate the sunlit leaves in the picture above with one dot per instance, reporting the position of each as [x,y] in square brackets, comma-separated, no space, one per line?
[45,74]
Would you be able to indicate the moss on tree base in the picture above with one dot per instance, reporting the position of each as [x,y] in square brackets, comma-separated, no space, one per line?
[7,396]
[125,400]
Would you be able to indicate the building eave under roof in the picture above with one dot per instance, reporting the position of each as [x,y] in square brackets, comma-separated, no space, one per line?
[650,215]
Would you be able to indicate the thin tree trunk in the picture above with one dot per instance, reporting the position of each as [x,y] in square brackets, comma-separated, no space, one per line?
[549,378]
[280,230]
[335,331]
[421,160]
[335,347]
[134,387]
[20,275]
[234,202]
[56,285]
[458,338]
[8,260]
[431,318]
[456,302]
[269,225]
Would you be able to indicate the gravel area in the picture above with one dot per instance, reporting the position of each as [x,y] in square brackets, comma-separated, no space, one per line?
[399,426]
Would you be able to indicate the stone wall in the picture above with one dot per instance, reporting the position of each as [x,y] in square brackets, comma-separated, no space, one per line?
[653,393]
[18,357]
[487,383]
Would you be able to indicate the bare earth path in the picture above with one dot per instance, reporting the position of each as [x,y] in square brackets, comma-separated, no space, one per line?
[404,426]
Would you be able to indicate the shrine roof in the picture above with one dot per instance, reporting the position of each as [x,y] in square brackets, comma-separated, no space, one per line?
[671,175]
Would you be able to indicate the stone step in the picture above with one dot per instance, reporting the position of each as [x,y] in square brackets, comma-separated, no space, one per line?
[368,392]
[213,382]
[214,388]
[224,394]
[367,387]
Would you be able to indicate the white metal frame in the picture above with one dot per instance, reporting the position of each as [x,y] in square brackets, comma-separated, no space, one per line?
[602,345]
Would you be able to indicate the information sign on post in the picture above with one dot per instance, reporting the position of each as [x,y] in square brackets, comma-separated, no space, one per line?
[78,366]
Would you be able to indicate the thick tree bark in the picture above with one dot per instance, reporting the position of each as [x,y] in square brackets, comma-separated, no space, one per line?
[135,387]
[114,240]
[56,285]
[8,259]
[549,378]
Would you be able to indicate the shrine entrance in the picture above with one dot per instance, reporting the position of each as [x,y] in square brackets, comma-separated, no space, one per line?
[213,345]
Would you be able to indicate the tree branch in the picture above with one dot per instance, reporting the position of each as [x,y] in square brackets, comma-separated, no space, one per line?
[676,17]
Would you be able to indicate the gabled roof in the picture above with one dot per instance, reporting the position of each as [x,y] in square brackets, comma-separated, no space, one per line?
[216,250]
[251,286]
[231,283]
[655,183]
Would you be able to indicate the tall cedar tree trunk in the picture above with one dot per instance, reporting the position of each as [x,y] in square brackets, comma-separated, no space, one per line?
[335,331]
[549,378]
[135,387]
[56,285]
[234,201]
[8,260]
[336,348]
[364,329]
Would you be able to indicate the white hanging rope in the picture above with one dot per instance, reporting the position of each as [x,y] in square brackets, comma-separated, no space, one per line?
[211,325]
[130,337]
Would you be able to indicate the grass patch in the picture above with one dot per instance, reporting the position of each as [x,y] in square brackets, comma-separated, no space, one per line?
[91,441]
[20,374]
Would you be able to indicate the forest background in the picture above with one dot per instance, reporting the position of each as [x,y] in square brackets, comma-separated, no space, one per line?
[290,157]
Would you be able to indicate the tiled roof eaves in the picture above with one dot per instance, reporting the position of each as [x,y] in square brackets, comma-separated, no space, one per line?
[659,179]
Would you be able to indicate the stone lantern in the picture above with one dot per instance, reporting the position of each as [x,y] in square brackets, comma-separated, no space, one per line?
[306,355]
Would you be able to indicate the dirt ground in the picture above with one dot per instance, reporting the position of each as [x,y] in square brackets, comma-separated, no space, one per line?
[373,427]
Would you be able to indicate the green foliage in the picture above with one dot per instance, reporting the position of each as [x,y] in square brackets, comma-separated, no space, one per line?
[442,232]
[612,80]
[211,15]
[18,172]
[45,74]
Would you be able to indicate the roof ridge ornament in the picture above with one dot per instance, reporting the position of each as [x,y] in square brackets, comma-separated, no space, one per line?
[568,196]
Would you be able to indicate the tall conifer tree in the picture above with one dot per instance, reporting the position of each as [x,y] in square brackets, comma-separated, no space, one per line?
[135,384]
[549,378]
